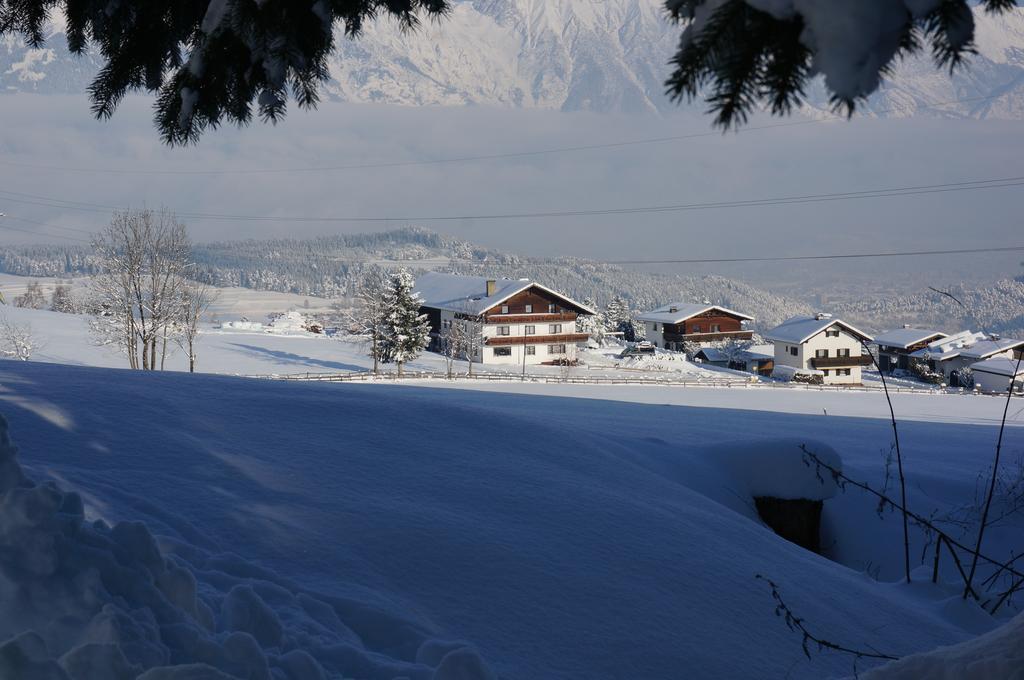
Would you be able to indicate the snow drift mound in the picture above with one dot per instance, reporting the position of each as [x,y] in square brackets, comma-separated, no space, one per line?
[998,654]
[82,600]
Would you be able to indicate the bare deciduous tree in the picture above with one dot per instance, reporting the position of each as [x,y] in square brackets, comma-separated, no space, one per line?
[196,299]
[16,340]
[145,256]
[371,315]
[32,298]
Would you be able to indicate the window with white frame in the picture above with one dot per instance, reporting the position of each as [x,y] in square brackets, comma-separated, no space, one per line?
[716,328]
[529,330]
[502,351]
[529,309]
[832,333]
[844,352]
[530,350]
[554,329]
[556,349]
[842,371]
[504,330]
[551,308]
[821,353]
[504,309]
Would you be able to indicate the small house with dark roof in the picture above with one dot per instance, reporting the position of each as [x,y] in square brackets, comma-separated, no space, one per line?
[896,346]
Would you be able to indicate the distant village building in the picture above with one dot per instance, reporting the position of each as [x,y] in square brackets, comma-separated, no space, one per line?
[672,325]
[950,355]
[819,347]
[518,322]
[896,346]
[993,375]
[758,359]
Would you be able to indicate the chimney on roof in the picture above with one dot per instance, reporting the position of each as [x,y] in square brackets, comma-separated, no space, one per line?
[821,316]
[673,309]
[491,284]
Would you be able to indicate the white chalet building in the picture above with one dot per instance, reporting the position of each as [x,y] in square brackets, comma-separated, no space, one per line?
[819,346]
[508,321]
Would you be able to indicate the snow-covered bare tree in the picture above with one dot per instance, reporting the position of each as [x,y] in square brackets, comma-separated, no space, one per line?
[16,340]
[452,343]
[369,319]
[195,300]
[62,300]
[145,256]
[406,331]
[742,55]
[588,323]
[734,350]
[32,298]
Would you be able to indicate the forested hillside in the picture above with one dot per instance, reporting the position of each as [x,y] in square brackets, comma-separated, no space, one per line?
[331,267]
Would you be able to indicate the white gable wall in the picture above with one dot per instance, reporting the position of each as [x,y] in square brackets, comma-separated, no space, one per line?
[820,341]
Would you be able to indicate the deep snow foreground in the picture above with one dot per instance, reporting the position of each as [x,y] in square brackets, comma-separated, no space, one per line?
[564,538]
[85,600]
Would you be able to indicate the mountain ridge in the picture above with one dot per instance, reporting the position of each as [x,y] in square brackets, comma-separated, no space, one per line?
[569,55]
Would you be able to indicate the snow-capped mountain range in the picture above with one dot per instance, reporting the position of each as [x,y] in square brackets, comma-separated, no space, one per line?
[597,55]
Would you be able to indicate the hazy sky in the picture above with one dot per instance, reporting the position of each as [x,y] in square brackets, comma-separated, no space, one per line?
[784,161]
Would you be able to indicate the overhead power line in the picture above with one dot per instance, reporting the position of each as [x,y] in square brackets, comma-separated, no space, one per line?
[459,159]
[692,260]
[888,192]
[834,256]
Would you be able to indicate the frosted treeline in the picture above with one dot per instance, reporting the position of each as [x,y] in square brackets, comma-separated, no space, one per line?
[333,267]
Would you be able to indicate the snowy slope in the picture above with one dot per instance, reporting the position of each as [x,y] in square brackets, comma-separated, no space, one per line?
[600,55]
[564,538]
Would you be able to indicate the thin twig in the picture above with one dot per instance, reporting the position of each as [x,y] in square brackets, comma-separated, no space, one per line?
[839,475]
[999,447]
[899,463]
[796,624]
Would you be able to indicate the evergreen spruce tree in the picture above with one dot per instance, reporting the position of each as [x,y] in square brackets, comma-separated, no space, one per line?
[406,331]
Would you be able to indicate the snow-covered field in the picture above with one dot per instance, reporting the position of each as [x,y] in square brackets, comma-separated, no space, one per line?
[368,526]
[64,338]
[462,531]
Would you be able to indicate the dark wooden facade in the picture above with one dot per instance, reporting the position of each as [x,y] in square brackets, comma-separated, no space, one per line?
[699,329]
[540,304]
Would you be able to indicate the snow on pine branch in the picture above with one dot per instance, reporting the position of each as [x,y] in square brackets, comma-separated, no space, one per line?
[742,54]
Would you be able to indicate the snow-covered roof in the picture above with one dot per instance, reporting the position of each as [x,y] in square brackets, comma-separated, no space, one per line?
[967,343]
[468,294]
[999,366]
[713,354]
[905,337]
[800,329]
[758,352]
[948,348]
[677,312]
[986,348]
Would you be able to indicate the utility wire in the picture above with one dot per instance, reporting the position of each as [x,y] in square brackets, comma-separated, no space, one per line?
[461,159]
[835,256]
[698,260]
[889,192]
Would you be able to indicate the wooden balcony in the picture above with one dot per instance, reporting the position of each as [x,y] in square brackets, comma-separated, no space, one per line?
[708,337]
[841,362]
[567,338]
[529,318]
